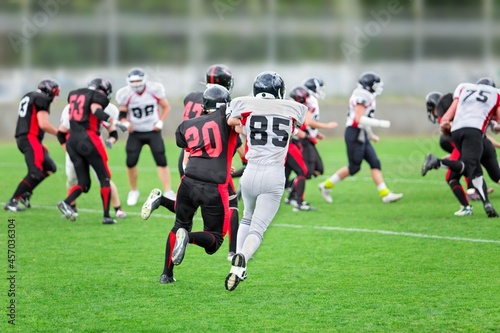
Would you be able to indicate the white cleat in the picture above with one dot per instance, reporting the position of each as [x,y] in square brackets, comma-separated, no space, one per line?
[132,198]
[464,211]
[392,197]
[181,242]
[326,193]
[120,214]
[237,273]
[152,203]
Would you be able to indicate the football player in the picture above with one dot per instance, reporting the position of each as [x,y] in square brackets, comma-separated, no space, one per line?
[140,103]
[472,108]
[85,146]
[32,123]
[268,122]
[71,178]
[312,125]
[358,135]
[211,143]
[218,74]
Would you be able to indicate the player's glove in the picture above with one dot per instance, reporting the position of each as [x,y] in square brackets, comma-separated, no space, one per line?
[122,126]
[108,143]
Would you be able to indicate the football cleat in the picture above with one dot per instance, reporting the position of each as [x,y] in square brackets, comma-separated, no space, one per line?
[120,214]
[25,199]
[13,206]
[392,197]
[67,211]
[152,203]
[304,206]
[464,211]
[230,256]
[490,211]
[181,242]
[132,198]
[166,279]
[326,193]
[431,162]
[237,273]
[108,220]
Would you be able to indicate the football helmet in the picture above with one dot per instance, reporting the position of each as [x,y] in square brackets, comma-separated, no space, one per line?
[136,79]
[49,88]
[371,82]
[220,74]
[431,101]
[486,81]
[101,85]
[269,83]
[315,87]
[215,96]
[299,94]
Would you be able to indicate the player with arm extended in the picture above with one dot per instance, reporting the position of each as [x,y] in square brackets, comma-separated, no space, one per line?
[211,143]
[268,122]
[71,178]
[357,137]
[32,123]
[85,146]
[140,103]
[472,109]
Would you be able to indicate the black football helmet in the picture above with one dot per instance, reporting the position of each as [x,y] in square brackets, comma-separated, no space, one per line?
[269,83]
[214,96]
[49,88]
[315,86]
[101,85]
[371,82]
[299,94]
[136,79]
[486,81]
[220,74]
[431,101]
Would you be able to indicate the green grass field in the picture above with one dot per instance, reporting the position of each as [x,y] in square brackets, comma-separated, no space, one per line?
[356,265]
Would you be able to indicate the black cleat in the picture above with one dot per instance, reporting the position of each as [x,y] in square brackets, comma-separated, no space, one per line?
[25,199]
[166,279]
[431,162]
[13,206]
[490,211]
[108,220]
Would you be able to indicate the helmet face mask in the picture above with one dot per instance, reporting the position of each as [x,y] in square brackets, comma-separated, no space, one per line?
[49,88]
[136,79]
[371,82]
[269,84]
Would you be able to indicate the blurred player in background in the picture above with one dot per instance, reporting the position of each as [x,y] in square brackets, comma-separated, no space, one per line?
[71,178]
[268,122]
[357,137]
[32,123]
[211,143]
[217,74]
[85,146]
[471,111]
[140,103]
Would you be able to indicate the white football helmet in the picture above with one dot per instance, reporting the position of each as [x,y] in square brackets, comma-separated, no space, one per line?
[136,79]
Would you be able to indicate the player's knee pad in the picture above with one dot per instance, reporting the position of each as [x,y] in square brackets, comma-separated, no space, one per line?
[132,159]
[105,182]
[376,164]
[50,167]
[216,245]
[37,174]
[160,159]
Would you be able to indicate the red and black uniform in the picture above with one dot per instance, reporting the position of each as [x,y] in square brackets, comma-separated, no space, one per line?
[29,138]
[193,107]
[295,162]
[211,144]
[84,145]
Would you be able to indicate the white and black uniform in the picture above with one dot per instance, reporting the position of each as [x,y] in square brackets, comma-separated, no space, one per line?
[71,178]
[143,114]
[268,125]
[356,138]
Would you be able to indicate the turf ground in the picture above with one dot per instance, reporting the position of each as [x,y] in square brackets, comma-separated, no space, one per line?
[356,265]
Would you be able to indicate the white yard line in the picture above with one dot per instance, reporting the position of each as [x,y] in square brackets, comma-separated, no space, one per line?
[282,225]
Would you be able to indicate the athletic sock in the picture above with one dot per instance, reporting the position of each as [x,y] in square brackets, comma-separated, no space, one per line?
[382,189]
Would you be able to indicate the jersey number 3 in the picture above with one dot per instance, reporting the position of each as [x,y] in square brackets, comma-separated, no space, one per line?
[259,127]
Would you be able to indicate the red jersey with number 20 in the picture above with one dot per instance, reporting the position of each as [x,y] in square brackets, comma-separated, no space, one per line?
[81,117]
[210,142]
